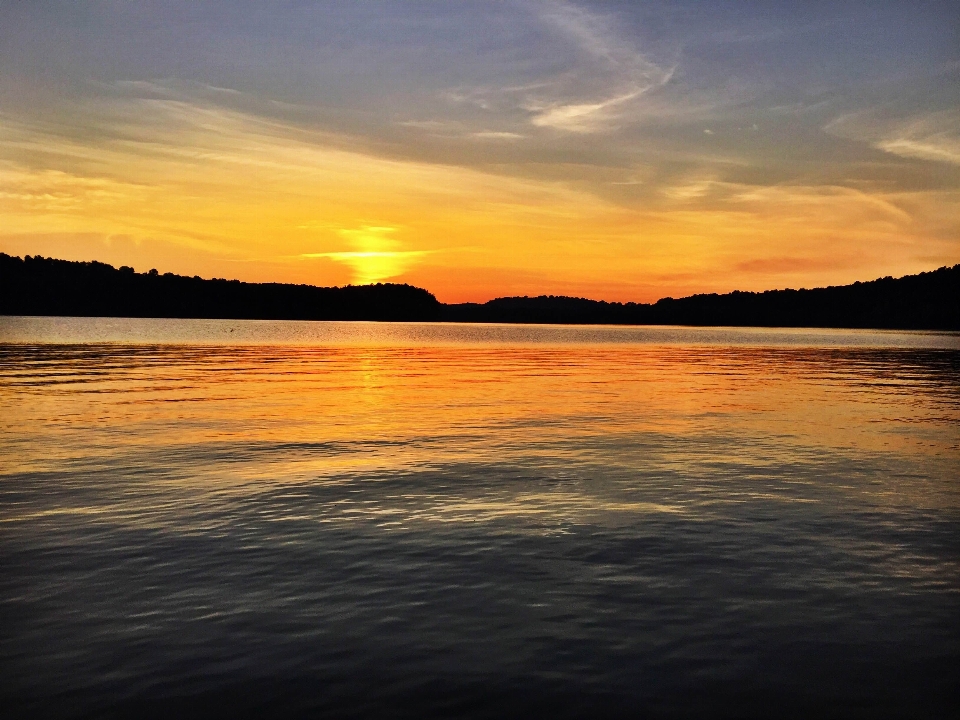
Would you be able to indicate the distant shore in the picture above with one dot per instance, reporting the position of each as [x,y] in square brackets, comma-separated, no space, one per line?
[46,286]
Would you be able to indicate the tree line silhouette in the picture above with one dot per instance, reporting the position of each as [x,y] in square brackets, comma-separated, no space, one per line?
[46,286]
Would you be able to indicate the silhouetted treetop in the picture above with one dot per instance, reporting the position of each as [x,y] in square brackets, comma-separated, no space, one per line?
[44,286]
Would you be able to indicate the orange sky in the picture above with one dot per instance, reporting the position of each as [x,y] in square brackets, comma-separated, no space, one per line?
[626,176]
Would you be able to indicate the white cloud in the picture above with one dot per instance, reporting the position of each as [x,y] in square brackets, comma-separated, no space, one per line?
[595,81]
[600,90]
[933,136]
[583,117]
[943,149]
[495,135]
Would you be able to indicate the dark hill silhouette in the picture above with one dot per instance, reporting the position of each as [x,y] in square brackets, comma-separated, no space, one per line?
[930,300]
[43,286]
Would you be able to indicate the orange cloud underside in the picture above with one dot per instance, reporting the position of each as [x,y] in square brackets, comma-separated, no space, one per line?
[222,194]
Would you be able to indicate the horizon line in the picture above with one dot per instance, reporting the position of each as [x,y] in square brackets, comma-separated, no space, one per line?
[154,271]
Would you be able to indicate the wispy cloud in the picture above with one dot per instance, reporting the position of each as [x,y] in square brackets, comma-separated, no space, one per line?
[497,135]
[931,136]
[212,178]
[942,148]
[593,82]
[689,190]
[612,74]
[582,117]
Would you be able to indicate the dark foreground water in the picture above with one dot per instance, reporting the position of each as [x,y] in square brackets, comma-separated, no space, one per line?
[233,519]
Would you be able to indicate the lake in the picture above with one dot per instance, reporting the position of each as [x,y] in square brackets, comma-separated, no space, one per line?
[258,518]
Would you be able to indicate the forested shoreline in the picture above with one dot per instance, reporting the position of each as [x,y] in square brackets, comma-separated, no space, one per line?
[47,286]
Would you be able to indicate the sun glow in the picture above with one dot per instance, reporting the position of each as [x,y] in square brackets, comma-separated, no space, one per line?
[376,256]
[569,158]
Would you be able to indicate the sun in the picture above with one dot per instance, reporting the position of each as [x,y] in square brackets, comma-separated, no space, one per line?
[376,256]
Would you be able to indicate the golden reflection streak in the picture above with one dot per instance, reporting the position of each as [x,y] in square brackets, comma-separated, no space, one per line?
[587,420]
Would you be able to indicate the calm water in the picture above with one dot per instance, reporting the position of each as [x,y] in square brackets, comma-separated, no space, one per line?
[279,518]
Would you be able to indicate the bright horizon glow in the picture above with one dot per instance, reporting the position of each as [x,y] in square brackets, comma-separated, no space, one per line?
[527,148]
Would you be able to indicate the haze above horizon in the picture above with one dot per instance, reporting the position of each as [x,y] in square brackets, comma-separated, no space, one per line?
[616,151]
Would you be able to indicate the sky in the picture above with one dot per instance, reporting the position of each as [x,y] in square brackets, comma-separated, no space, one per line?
[616,150]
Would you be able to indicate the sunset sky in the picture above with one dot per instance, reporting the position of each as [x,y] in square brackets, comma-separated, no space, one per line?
[620,151]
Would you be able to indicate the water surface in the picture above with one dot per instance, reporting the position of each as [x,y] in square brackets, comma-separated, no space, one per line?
[285,518]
